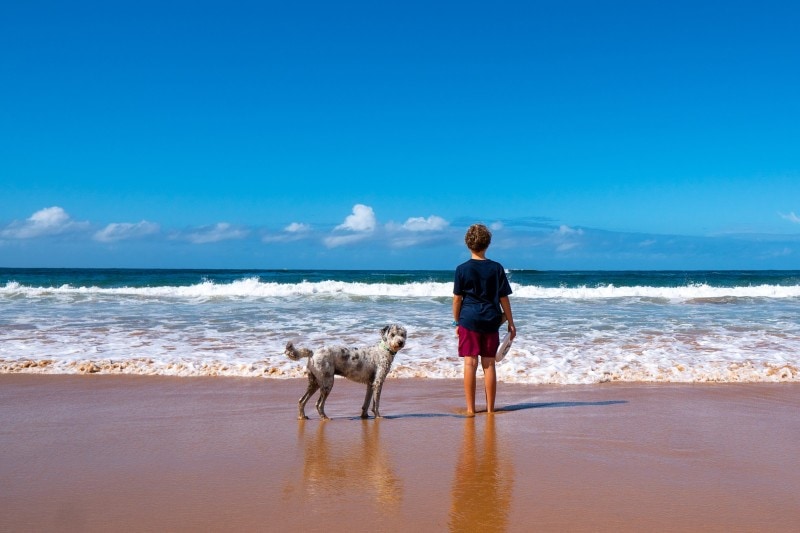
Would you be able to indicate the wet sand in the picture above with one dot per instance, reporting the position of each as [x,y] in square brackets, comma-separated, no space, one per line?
[130,453]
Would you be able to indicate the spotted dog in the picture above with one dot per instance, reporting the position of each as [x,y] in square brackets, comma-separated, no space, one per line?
[363,365]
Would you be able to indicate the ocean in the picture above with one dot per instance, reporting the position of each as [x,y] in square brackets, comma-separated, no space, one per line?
[574,327]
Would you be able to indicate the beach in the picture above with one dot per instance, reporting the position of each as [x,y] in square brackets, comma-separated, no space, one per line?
[138,453]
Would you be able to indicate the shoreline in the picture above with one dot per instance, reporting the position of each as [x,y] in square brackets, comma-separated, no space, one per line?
[730,373]
[122,452]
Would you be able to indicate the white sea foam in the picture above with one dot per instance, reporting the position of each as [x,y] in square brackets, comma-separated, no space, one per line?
[527,362]
[254,288]
[572,347]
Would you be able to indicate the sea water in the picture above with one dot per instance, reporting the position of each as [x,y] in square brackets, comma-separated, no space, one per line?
[573,327]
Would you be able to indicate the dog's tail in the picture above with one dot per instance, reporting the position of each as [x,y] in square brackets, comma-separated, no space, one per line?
[295,354]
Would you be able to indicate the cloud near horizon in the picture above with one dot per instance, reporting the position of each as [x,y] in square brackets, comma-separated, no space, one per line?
[334,241]
[791,217]
[361,223]
[121,231]
[45,222]
[417,231]
[293,232]
[362,220]
[540,242]
[297,227]
[432,223]
[221,231]
[567,238]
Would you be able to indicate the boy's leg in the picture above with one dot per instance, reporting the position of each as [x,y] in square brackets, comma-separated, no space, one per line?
[489,382]
[470,370]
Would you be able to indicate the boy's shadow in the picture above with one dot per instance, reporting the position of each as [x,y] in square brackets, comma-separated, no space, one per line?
[547,405]
[512,407]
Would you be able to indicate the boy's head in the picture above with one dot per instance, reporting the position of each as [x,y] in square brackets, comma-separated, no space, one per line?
[478,238]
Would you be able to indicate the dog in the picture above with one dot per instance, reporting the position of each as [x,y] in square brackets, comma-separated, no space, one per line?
[362,365]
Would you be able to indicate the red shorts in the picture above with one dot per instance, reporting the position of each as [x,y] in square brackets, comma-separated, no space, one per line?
[472,343]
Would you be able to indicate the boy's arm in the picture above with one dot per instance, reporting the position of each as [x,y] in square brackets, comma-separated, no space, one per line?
[506,305]
[457,301]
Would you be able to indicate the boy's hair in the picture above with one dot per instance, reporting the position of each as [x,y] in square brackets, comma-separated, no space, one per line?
[478,238]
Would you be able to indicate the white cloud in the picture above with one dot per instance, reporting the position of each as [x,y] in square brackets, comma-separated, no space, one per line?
[432,223]
[566,246]
[416,231]
[297,227]
[408,240]
[221,231]
[362,222]
[566,238]
[566,230]
[791,217]
[48,221]
[120,231]
[496,226]
[362,219]
[293,232]
[341,240]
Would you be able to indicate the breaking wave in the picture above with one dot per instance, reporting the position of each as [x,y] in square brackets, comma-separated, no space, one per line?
[255,288]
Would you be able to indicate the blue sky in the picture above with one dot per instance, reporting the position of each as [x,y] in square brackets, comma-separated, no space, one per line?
[587,134]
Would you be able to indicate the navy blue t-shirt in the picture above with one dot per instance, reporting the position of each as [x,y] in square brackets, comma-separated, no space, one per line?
[482,283]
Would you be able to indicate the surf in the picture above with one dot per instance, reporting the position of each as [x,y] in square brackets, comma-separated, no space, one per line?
[254,288]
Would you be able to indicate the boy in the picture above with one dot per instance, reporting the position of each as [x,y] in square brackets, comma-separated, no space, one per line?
[480,305]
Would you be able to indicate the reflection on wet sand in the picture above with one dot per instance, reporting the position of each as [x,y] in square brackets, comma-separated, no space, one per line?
[481,493]
[343,465]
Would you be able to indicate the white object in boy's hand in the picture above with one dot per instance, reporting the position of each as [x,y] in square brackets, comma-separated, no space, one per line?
[505,346]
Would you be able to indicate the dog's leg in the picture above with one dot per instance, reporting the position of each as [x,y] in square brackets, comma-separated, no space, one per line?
[376,396]
[325,389]
[313,386]
[366,401]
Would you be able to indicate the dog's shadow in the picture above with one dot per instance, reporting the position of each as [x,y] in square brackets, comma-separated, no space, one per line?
[510,408]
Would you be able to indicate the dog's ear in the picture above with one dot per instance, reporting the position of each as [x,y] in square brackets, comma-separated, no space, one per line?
[384,331]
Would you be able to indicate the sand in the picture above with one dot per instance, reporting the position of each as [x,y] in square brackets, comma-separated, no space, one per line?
[128,453]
